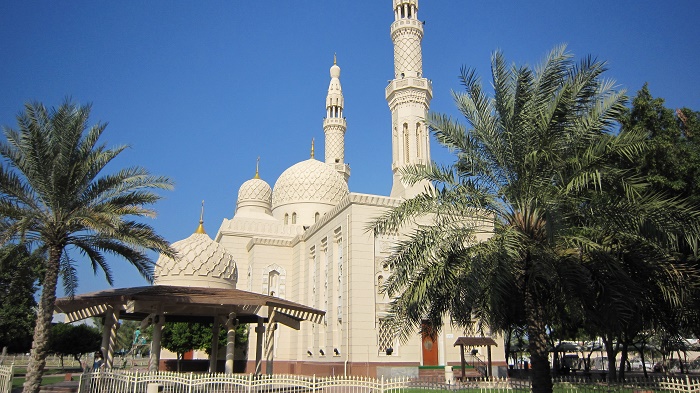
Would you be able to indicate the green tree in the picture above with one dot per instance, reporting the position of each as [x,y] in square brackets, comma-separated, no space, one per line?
[671,165]
[182,337]
[501,223]
[18,277]
[74,340]
[55,195]
[672,162]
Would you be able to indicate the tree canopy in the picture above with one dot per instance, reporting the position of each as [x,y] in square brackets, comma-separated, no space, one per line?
[539,196]
[74,340]
[18,278]
[57,196]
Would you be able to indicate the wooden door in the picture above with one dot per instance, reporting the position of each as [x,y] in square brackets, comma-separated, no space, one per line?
[430,347]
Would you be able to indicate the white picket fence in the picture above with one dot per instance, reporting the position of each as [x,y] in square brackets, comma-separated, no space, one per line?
[6,373]
[171,382]
[138,382]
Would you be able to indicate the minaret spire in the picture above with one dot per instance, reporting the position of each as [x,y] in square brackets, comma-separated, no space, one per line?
[408,96]
[200,228]
[334,124]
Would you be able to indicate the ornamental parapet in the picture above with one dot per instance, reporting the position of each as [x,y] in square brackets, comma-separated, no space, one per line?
[339,121]
[413,24]
[408,83]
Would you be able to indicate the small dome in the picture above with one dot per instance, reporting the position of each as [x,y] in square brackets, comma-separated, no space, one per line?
[254,200]
[201,262]
[309,181]
[335,71]
[255,190]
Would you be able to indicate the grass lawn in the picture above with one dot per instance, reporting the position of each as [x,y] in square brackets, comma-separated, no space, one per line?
[47,380]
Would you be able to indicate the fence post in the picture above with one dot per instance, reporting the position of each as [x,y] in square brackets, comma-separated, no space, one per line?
[134,380]
[382,385]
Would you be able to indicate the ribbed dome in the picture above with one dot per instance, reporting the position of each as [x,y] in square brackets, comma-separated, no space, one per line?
[201,262]
[309,181]
[255,190]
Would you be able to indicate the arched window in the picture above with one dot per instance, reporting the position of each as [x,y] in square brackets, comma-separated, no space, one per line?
[418,140]
[406,142]
[395,146]
[286,218]
[273,283]
[317,216]
[294,218]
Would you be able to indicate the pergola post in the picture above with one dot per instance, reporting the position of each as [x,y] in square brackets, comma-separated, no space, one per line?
[464,362]
[154,360]
[259,335]
[270,341]
[231,324]
[109,335]
[213,358]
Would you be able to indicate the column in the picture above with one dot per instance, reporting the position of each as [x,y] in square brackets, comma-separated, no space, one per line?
[154,360]
[109,335]
[259,334]
[231,324]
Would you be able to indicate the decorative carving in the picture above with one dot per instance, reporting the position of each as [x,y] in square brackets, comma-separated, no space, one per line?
[255,190]
[200,256]
[309,181]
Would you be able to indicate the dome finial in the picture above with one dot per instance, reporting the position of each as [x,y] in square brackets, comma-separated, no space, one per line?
[200,228]
[312,147]
[257,169]
[335,59]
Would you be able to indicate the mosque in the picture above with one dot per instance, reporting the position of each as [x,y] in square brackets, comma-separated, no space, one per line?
[305,239]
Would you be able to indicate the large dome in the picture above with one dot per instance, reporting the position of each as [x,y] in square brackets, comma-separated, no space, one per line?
[201,262]
[309,181]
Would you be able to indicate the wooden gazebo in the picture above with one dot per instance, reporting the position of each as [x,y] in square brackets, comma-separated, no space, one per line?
[222,306]
[476,342]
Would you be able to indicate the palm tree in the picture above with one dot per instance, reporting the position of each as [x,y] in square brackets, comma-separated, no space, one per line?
[55,196]
[493,236]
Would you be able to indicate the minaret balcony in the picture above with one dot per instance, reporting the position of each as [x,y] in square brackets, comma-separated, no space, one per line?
[340,121]
[404,23]
[408,83]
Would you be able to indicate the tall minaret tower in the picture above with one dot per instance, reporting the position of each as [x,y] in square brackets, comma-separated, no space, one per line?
[334,124]
[409,96]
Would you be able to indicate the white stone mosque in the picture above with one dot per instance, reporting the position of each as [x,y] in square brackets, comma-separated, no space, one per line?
[305,241]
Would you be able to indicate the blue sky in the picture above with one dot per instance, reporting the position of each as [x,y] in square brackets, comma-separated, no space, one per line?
[199,89]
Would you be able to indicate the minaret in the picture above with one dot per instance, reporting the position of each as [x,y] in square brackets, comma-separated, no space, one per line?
[334,124]
[408,96]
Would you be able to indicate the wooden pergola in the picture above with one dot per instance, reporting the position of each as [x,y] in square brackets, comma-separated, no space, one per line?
[158,303]
[476,342]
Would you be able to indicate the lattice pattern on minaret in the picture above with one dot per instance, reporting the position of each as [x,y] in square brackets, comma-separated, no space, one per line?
[408,56]
[335,146]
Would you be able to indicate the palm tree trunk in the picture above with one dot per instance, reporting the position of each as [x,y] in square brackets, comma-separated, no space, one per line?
[611,351]
[539,351]
[40,341]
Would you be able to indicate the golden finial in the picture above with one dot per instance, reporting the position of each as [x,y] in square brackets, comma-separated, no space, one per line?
[200,228]
[312,147]
[335,60]
[257,169]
